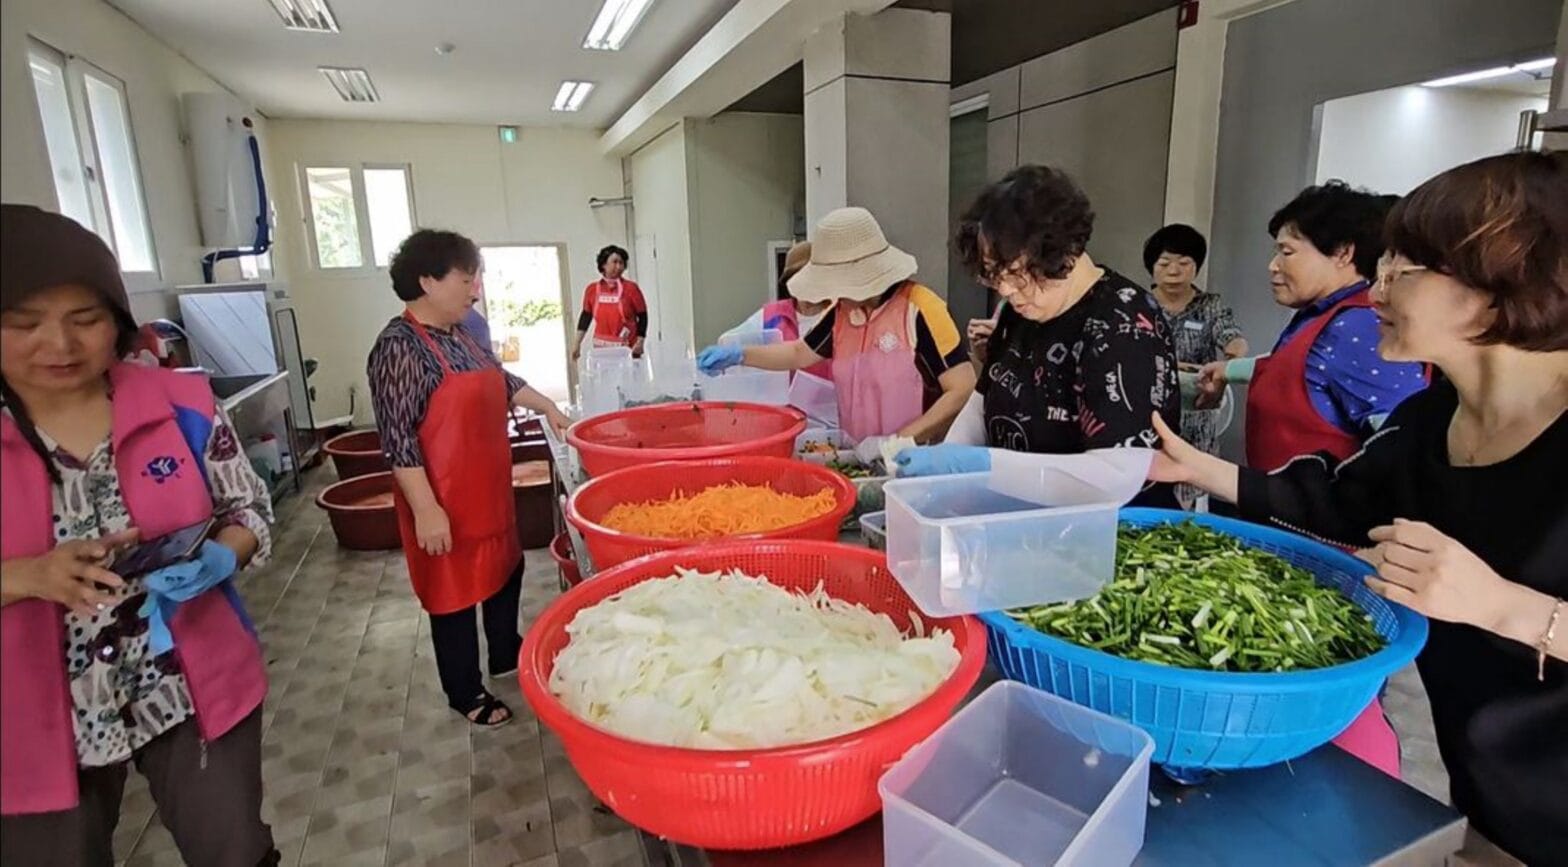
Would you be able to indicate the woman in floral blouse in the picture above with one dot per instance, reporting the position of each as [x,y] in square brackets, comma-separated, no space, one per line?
[78,428]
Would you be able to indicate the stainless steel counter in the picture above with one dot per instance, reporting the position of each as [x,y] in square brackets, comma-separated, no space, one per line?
[260,404]
[1326,808]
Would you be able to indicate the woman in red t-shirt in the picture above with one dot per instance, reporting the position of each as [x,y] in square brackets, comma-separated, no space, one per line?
[614,306]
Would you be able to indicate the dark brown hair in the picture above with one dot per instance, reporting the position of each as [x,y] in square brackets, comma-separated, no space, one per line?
[1035,212]
[430,253]
[1498,225]
[1334,216]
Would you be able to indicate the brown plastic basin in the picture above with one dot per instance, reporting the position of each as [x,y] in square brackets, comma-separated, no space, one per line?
[361,511]
[356,453]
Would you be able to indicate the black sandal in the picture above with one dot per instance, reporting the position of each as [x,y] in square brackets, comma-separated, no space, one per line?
[485,711]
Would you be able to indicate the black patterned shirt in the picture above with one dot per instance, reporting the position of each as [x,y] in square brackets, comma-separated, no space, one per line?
[404,373]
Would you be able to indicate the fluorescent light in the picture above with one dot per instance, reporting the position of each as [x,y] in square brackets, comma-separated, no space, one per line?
[1494,72]
[572,95]
[614,23]
[353,85]
[313,16]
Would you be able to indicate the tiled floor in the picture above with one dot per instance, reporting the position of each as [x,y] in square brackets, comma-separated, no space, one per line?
[362,760]
[365,765]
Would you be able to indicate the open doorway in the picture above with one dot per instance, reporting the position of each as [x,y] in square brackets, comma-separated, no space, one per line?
[523,290]
[1390,141]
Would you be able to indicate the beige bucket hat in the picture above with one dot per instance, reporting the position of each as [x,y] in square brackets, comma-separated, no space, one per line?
[850,259]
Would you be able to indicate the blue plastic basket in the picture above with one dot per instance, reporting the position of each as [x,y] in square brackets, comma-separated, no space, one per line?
[1218,719]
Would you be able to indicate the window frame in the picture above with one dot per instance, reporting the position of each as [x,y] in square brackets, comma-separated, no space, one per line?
[356,170]
[75,71]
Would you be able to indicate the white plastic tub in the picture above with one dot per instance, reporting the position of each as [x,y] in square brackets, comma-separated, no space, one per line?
[1019,777]
[745,385]
[958,547]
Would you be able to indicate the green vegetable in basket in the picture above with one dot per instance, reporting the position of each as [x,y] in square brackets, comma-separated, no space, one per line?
[853,471]
[1191,597]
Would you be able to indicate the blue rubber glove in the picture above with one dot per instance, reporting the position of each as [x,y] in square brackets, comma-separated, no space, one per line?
[182,582]
[943,460]
[717,359]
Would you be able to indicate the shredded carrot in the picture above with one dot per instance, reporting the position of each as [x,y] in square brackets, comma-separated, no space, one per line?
[722,510]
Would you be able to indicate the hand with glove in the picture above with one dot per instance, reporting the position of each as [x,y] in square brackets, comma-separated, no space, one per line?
[717,359]
[943,460]
[172,585]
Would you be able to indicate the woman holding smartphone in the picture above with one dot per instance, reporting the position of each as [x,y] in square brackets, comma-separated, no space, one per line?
[96,454]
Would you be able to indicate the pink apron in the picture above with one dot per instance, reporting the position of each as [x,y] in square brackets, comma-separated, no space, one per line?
[879,387]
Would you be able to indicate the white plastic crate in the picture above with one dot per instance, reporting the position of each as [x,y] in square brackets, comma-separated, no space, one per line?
[959,547]
[1019,777]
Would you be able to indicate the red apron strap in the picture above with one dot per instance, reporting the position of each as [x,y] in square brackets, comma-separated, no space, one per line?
[424,335]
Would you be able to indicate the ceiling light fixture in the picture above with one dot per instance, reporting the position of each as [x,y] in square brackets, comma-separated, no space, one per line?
[1495,72]
[572,95]
[614,24]
[351,84]
[312,16]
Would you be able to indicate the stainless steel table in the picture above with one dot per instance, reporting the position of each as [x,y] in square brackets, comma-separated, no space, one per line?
[1326,808]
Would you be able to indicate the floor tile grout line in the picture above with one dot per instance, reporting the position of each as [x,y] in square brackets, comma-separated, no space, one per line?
[408,697]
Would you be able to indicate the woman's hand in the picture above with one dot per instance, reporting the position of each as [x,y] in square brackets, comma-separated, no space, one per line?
[979,332]
[1180,462]
[433,530]
[1211,385]
[1426,571]
[558,421]
[71,574]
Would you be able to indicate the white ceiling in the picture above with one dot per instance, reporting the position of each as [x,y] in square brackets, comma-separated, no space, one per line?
[510,55]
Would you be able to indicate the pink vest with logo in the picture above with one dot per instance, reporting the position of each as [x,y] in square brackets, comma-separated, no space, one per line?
[164,485]
[783,316]
[874,368]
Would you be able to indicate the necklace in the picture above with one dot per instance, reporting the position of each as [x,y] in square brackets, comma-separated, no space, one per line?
[1467,443]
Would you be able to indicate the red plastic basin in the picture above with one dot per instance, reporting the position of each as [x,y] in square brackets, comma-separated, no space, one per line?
[356,453]
[684,432]
[362,513]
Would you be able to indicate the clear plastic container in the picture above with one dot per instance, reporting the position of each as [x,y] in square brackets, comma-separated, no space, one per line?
[958,547]
[746,385]
[1019,777]
[873,529]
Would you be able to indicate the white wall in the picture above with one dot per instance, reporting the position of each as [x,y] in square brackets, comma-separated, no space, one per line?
[661,197]
[465,179]
[154,78]
[748,179]
[1392,140]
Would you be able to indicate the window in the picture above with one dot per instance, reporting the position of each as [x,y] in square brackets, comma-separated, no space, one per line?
[358,214]
[92,154]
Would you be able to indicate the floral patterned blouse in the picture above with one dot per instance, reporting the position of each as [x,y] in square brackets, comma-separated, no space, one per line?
[124,696]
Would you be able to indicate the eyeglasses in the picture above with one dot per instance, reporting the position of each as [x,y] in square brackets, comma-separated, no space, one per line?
[1388,273]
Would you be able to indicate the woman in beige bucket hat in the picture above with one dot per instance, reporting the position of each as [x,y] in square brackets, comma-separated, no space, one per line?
[898,361]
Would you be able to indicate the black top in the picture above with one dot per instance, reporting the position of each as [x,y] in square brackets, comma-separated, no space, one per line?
[1089,379]
[1502,733]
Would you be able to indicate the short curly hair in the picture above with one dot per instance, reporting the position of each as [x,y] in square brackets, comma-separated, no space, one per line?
[1497,225]
[1334,216]
[612,250]
[1037,214]
[430,253]
[1178,238]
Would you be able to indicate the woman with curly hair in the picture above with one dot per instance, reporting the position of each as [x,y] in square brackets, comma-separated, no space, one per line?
[1081,357]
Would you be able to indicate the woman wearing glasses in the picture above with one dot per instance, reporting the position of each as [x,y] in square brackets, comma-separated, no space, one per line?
[1463,490]
[1080,355]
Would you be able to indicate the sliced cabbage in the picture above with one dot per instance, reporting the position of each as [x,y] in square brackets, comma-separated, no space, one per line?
[728,661]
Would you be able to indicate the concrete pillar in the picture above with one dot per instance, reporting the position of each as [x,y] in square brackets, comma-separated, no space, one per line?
[876,93]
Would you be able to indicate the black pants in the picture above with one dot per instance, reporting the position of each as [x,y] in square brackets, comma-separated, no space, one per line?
[209,799]
[456,640]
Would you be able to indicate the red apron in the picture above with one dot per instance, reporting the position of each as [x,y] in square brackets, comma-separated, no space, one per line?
[469,463]
[1281,424]
[1281,421]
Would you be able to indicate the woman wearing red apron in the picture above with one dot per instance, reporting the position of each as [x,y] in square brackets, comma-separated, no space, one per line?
[441,404]
[613,307]
[898,362]
[1324,389]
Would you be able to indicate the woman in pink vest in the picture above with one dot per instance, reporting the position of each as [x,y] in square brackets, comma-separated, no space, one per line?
[899,364]
[99,670]
[788,315]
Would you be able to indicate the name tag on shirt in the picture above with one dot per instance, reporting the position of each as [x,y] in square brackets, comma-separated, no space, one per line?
[1193,326]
